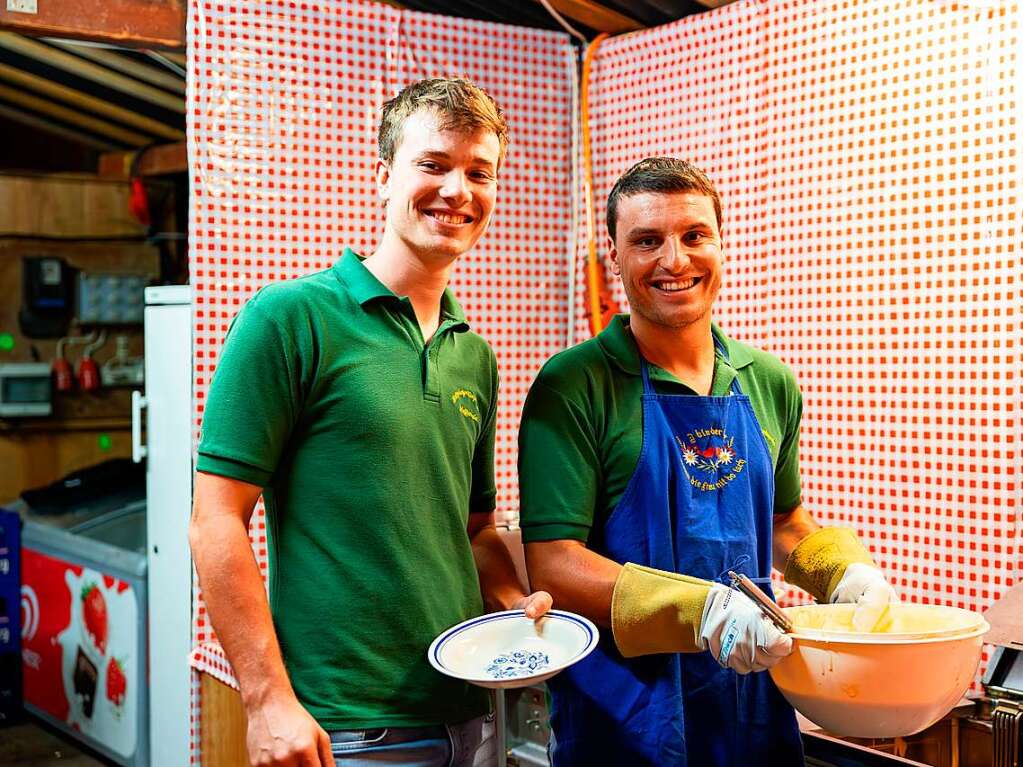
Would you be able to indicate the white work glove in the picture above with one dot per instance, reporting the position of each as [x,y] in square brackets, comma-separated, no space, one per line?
[738,634]
[866,586]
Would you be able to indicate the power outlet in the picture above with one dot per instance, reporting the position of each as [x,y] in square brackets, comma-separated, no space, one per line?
[22,6]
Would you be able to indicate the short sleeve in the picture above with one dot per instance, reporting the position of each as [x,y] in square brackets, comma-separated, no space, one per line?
[559,467]
[254,400]
[483,493]
[787,484]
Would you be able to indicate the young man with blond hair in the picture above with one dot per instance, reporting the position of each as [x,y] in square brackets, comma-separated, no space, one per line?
[359,404]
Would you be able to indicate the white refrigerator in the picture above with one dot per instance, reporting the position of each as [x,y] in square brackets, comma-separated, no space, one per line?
[165,410]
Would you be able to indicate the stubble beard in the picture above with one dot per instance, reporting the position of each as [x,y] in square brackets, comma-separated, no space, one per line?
[651,315]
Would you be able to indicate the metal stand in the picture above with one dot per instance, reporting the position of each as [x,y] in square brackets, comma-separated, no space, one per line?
[500,714]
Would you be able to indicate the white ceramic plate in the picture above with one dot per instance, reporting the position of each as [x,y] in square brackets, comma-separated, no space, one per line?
[507,649]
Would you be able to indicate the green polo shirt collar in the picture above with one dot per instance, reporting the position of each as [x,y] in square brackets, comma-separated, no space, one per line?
[618,345]
[365,287]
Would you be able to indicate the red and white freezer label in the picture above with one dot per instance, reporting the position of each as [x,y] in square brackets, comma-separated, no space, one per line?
[80,648]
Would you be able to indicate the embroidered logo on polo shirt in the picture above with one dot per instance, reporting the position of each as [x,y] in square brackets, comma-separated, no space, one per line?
[711,452]
[466,403]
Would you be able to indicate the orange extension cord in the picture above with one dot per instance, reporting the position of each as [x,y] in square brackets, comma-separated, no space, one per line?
[600,306]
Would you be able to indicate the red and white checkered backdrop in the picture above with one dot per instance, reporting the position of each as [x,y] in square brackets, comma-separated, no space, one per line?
[866,152]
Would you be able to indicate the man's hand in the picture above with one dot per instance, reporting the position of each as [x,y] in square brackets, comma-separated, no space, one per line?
[738,634]
[282,733]
[535,605]
[866,586]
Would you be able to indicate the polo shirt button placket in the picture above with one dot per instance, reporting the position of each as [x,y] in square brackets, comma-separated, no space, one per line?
[431,374]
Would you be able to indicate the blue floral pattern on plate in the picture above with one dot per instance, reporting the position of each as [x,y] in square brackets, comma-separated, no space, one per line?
[511,665]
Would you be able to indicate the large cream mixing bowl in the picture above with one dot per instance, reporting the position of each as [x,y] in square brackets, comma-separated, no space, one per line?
[879,685]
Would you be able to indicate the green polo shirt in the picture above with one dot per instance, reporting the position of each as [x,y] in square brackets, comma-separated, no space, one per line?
[372,449]
[582,429]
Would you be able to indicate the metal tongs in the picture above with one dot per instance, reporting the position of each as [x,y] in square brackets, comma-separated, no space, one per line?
[769,608]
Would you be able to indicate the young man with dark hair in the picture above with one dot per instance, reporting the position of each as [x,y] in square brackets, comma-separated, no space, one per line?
[654,459]
[359,404]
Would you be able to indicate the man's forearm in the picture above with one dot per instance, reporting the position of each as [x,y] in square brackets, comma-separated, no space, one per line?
[499,582]
[789,530]
[233,590]
[580,580]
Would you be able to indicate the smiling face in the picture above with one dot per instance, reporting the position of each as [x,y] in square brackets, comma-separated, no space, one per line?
[667,249]
[440,187]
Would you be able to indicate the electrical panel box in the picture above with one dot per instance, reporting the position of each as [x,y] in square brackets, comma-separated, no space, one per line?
[47,286]
[25,390]
[111,299]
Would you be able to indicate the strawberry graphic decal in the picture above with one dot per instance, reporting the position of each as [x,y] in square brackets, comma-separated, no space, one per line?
[94,613]
[116,682]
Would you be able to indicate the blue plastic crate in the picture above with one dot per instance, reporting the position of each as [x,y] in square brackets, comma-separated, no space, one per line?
[10,618]
[10,549]
[10,581]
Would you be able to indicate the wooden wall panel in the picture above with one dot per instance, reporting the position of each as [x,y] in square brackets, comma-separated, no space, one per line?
[71,205]
[61,216]
[221,724]
[33,457]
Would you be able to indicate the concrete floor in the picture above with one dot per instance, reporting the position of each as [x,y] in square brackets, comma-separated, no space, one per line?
[34,744]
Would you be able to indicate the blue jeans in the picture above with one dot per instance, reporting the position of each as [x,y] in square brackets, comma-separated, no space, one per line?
[469,744]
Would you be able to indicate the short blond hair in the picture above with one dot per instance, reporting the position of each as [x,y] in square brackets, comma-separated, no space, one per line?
[462,105]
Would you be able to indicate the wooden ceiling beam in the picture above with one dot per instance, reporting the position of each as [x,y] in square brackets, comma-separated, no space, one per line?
[72,117]
[39,123]
[155,161]
[89,71]
[84,101]
[596,16]
[129,66]
[131,23]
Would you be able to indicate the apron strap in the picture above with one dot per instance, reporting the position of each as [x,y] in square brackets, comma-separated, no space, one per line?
[644,369]
[736,387]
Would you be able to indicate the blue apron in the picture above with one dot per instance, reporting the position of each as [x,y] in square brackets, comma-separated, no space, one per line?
[700,503]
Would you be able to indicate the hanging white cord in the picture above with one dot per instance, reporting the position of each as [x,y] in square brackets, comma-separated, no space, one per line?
[166,62]
[573,242]
[440,67]
[564,24]
[162,60]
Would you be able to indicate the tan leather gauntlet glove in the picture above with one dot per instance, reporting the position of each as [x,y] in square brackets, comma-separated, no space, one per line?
[820,560]
[656,611]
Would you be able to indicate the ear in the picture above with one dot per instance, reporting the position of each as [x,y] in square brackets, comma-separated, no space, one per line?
[383,173]
[612,253]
